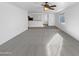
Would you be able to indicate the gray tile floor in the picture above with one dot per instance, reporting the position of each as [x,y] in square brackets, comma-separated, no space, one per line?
[33,41]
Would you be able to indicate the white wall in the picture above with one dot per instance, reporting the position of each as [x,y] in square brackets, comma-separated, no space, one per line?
[13,21]
[72,21]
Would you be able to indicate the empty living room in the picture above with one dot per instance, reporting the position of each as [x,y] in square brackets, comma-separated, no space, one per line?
[39,28]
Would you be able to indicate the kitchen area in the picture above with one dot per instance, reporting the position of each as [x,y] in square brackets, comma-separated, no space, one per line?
[41,19]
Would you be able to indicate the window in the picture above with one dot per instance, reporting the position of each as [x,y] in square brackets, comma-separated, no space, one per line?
[62,19]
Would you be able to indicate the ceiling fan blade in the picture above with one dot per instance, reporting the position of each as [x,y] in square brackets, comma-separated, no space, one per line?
[53,6]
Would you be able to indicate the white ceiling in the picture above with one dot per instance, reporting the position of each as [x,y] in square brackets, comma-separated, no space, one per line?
[35,7]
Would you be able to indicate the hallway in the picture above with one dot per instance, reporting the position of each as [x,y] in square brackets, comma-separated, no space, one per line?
[33,43]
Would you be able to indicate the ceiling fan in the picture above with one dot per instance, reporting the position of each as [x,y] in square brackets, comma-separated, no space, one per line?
[47,6]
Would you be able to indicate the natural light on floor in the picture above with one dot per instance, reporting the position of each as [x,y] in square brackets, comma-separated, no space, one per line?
[54,45]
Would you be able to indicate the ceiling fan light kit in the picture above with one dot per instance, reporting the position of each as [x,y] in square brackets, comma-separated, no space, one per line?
[46,9]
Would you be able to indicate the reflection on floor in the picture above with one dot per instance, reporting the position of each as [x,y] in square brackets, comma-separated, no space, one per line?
[41,42]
